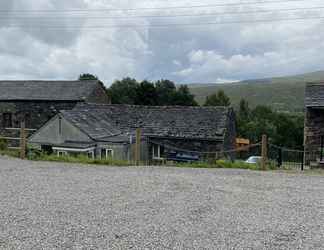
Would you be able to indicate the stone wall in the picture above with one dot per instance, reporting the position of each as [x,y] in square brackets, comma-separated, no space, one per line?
[99,96]
[186,145]
[35,113]
[314,130]
[230,133]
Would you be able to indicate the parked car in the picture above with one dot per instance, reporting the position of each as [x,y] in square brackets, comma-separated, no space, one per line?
[253,159]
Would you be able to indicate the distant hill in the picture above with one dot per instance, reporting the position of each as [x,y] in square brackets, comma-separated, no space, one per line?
[281,93]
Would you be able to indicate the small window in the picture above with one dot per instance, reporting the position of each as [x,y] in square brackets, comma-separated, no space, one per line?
[28,120]
[157,152]
[91,155]
[61,153]
[107,153]
[7,120]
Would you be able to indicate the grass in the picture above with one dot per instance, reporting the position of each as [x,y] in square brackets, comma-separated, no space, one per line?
[226,164]
[220,164]
[81,160]
[10,152]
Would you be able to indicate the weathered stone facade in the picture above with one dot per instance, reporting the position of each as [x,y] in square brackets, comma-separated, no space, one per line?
[181,133]
[314,124]
[314,131]
[38,108]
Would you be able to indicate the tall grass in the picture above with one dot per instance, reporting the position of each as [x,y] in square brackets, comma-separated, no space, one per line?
[226,164]
[80,159]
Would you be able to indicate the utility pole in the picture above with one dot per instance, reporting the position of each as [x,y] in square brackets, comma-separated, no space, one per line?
[138,146]
[264,152]
[23,142]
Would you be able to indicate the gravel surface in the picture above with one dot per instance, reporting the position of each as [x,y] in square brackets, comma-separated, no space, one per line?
[57,206]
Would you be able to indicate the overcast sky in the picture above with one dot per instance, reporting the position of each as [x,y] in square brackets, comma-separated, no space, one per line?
[56,41]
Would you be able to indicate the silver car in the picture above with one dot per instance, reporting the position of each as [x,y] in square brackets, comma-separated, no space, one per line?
[253,159]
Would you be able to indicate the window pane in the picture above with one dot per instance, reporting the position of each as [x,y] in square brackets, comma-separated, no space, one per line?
[156,151]
[7,120]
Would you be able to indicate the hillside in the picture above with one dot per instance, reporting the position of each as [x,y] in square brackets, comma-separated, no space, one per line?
[281,93]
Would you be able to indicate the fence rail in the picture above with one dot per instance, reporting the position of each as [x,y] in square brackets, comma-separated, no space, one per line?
[22,139]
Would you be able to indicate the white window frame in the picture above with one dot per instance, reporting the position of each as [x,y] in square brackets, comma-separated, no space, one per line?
[105,156]
[158,157]
[92,154]
[61,153]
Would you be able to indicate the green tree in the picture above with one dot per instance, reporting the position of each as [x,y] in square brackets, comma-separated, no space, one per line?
[218,99]
[90,77]
[124,91]
[146,94]
[244,111]
[242,118]
[87,76]
[165,91]
[282,129]
[183,97]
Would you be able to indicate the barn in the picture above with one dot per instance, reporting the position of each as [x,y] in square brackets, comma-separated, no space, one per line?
[169,132]
[36,102]
[314,124]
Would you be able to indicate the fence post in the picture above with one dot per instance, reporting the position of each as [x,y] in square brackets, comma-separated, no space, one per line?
[264,152]
[279,157]
[22,140]
[138,146]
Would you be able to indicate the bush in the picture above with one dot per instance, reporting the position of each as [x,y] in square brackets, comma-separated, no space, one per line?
[236,164]
[3,144]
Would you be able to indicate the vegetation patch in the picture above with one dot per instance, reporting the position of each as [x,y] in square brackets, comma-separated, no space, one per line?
[227,164]
[10,152]
[80,159]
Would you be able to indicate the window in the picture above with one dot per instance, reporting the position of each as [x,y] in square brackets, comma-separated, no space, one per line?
[7,120]
[107,153]
[28,120]
[91,154]
[157,152]
[61,153]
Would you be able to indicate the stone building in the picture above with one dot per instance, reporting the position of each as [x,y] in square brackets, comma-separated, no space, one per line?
[314,123]
[168,133]
[38,101]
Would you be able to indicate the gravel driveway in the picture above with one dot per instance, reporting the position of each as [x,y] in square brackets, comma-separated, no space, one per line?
[57,206]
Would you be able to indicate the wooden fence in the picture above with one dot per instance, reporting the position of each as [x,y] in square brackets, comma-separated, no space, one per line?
[21,138]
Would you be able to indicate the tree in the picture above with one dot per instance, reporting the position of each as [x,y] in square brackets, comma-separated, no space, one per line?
[90,77]
[282,129]
[183,97]
[146,94]
[218,99]
[87,76]
[244,112]
[165,91]
[242,118]
[124,91]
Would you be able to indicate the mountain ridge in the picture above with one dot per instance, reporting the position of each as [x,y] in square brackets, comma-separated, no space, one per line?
[281,93]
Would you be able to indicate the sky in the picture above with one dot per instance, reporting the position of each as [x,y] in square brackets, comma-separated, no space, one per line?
[184,41]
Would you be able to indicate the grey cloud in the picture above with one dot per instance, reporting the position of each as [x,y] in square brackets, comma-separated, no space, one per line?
[184,54]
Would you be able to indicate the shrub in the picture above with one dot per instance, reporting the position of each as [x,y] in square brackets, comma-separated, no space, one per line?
[3,144]
[226,164]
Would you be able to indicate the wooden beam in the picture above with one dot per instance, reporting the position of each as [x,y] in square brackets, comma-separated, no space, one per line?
[23,142]
[264,152]
[138,146]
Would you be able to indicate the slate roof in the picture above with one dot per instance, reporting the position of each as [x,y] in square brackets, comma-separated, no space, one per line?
[102,122]
[314,95]
[46,90]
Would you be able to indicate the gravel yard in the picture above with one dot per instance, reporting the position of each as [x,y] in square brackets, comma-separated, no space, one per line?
[57,206]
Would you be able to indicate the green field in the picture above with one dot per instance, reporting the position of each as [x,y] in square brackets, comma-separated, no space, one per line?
[281,93]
